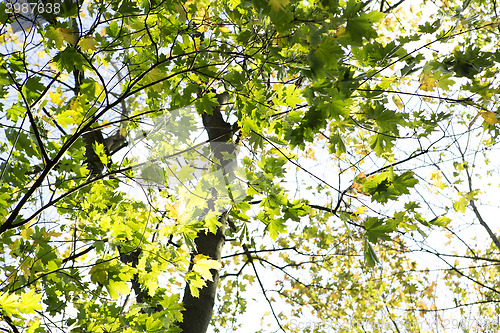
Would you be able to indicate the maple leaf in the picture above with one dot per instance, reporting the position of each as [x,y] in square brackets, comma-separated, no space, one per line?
[29,302]
[212,223]
[195,283]
[203,265]
[445,82]
[88,43]
[8,303]
[59,36]
[12,304]
[117,287]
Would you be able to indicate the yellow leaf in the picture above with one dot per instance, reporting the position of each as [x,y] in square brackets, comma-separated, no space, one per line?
[340,32]
[73,115]
[397,101]
[105,222]
[427,82]
[33,326]
[57,97]
[26,233]
[12,304]
[51,234]
[173,209]
[100,150]
[151,283]
[212,223]
[29,302]
[278,4]
[52,265]
[430,289]
[195,284]
[88,43]
[8,303]
[202,15]
[154,75]
[26,268]
[490,117]
[117,287]
[203,265]
[360,210]
[310,154]
[224,29]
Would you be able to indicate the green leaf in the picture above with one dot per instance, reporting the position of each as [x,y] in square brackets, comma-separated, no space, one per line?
[69,60]
[381,143]
[23,141]
[152,172]
[275,227]
[33,88]
[171,302]
[337,145]
[153,325]
[389,186]
[405,181]
[369,254]
[429,27]
[360,28]
[113,30]
[59,36]
[328,53]
[412,205]
[376,228]
[444,82]
[206,103]
[99,274]
[3,14]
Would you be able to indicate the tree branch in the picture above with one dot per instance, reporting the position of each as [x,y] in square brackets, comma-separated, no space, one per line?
[81,253]
[10,323]
[467,101]
[494,238]
[250,259]
[391,7]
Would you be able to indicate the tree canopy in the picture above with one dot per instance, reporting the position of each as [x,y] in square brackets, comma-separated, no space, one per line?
[166,164]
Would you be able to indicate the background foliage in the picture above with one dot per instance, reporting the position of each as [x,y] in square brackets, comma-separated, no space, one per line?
[367,166]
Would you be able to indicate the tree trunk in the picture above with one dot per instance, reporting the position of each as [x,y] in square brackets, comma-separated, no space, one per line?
[198,311]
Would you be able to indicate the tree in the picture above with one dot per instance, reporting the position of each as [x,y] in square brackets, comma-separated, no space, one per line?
[342,137]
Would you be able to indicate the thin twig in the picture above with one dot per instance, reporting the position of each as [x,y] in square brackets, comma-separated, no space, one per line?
[250,259]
